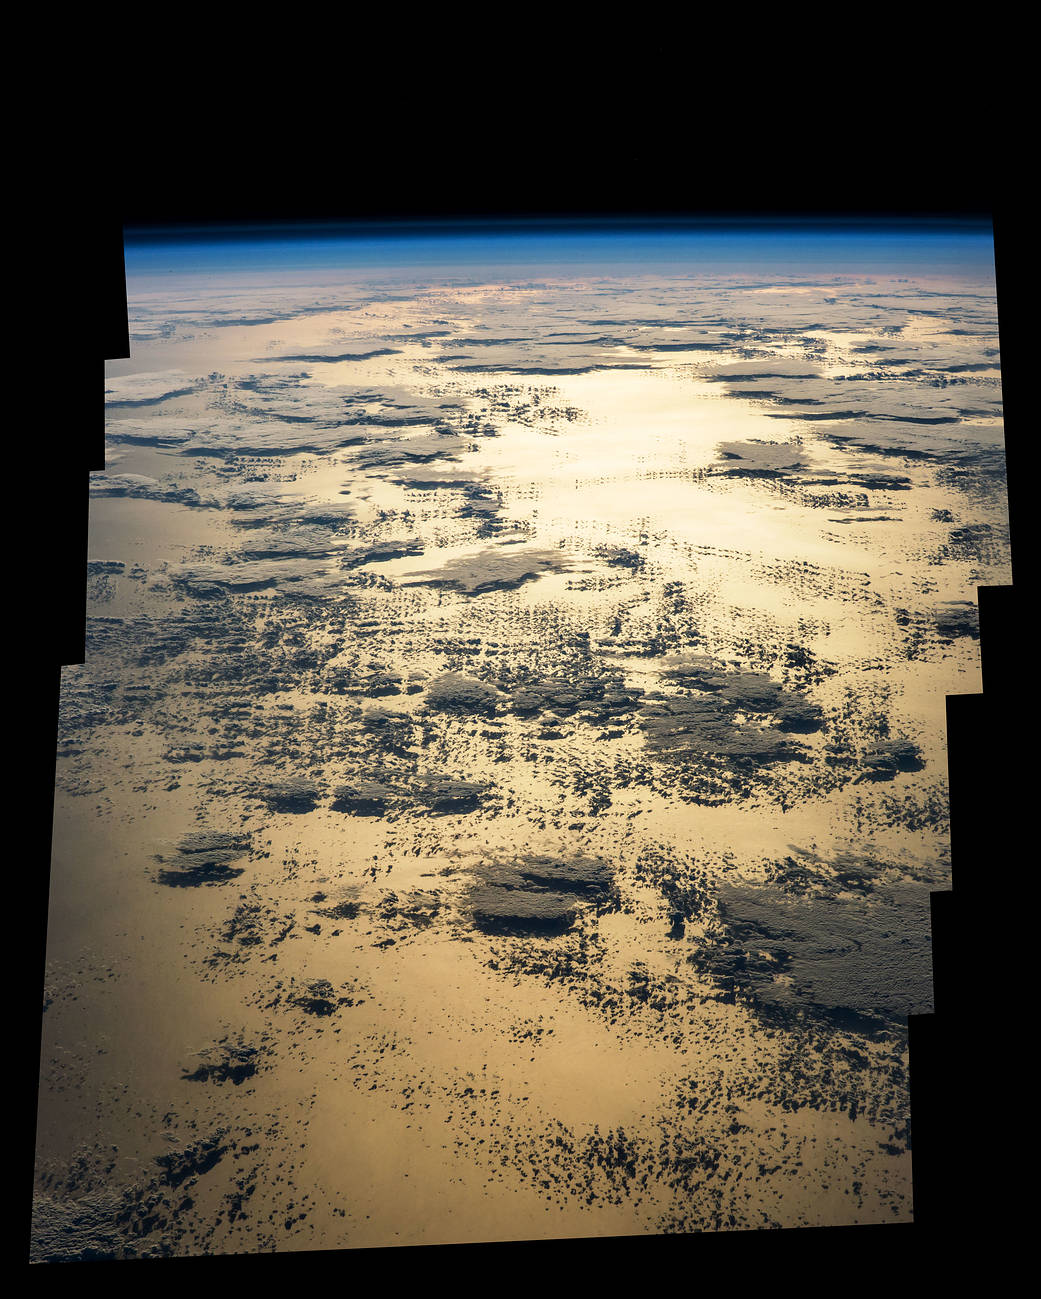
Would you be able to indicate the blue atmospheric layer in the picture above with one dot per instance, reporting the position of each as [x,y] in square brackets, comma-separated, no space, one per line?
[957,245]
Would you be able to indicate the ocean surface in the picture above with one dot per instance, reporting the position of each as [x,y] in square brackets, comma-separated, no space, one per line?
[503,791]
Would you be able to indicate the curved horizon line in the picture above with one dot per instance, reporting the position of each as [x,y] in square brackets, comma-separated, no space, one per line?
[139,232]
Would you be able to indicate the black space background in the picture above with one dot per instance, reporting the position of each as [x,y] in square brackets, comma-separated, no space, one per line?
[640,138]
